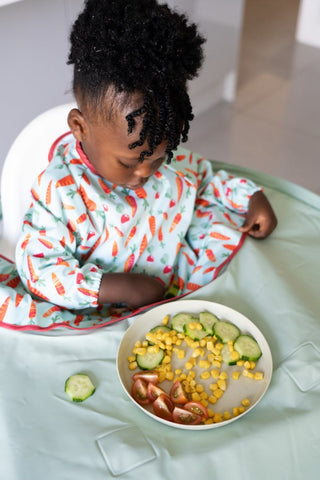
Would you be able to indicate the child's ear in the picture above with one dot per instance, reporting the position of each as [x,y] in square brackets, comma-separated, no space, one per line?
[77,124]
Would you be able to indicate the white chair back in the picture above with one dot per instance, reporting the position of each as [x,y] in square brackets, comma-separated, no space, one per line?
[27,157]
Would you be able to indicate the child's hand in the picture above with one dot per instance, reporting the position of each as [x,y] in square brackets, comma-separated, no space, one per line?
[260,219]
[133,289]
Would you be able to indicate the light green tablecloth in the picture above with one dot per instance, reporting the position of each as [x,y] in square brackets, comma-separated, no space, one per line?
[275,283]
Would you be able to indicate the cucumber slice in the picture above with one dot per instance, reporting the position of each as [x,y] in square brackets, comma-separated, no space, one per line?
[248,348]
[79,387]
[150,360]
[229,357]
[194,333]
[226,331]
[180,319]
[162,328]
[208,320]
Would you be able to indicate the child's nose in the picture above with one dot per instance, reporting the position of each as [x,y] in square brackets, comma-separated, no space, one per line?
[144,170]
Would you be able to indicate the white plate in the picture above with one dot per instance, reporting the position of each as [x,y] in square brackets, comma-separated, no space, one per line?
[236,391]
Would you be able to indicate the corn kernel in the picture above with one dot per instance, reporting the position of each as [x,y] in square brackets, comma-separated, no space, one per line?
[212,399]
[215,373]
[258,376]
[183,376]
[203,342]
[188,365]
[245,402]
[217,418]
[217,364]
[140,350]
[235,375]
[131,358]
[241,409]
[205,375]
[234,356]
[204,364]
[246,365]
[247,374]
[240,363]
[199,388]
[137,344]
[133,365]
[204,395]
[218,393]
[209,346]
[169,376]
[165,320]
[178,371]
[219,346]
[235,411]
[213,386]
[210,412]
[223,375]
[195,396]
[226,415]
[222,385]
[204,402]
[181,354]
[209,421]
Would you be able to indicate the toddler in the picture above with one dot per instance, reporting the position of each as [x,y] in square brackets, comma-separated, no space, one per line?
[122,214]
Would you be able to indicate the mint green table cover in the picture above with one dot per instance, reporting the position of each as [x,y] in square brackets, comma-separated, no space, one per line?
[275,283]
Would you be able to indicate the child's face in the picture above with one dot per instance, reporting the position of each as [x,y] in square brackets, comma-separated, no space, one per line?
[105,143]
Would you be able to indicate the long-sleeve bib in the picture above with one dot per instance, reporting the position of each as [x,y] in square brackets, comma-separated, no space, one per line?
[181,227]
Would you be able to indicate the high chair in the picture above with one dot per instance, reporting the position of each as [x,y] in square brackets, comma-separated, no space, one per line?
[27,157]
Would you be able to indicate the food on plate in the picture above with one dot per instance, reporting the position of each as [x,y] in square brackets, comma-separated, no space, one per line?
[79,387]
[183,366]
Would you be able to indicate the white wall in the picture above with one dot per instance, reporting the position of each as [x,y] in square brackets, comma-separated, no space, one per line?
[33,71]
[308,25]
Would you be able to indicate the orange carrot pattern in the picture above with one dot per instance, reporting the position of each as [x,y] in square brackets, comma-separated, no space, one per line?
[88,293]
[33,310]
[33,276]
[141,193]
[4,308]
[193,286]
[82,218]
[179,184]
[65,181]
[48,193]
[219,236]
[133,204]
[129,263]
[18,299]
[46,243]
[104,187]
[90,204]
[152,224]
[51,310]
[57,284]
[143,245]
[210,255]
[175,222]
[36,292]
[131,235]
[115,249]
[189,259]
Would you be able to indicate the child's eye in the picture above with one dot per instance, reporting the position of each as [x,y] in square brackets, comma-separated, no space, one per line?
[124,165]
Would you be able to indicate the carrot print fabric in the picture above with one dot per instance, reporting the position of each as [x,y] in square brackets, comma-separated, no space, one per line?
[181,228]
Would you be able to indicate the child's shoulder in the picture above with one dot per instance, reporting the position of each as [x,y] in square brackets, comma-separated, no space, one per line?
[184,158]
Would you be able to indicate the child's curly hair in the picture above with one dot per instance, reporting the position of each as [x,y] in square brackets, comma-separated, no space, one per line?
[138,46]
